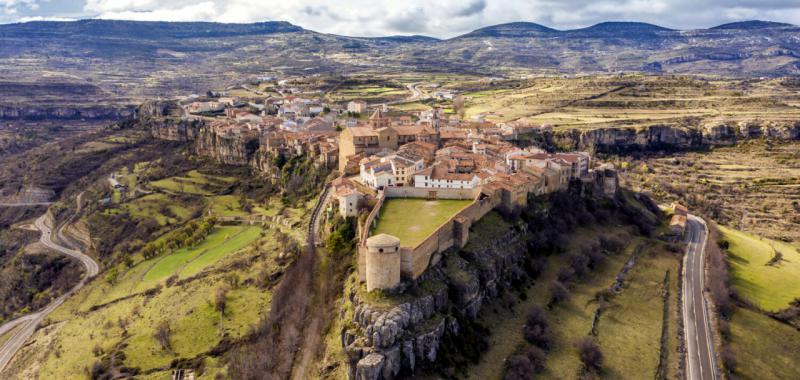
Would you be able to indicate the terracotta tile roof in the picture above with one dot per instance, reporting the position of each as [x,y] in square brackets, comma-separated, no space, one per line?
[362,132]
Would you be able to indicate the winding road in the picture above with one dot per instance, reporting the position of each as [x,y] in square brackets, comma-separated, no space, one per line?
[25,326]
[700,355]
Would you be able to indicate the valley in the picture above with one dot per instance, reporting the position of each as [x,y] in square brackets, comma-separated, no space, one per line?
[200,200]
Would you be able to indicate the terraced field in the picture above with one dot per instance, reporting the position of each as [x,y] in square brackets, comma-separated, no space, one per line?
[753,187]
[633,100]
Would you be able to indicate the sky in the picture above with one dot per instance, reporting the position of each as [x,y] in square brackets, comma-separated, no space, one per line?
[438,18]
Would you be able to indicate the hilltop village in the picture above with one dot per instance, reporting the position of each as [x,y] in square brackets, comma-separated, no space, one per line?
[382,154]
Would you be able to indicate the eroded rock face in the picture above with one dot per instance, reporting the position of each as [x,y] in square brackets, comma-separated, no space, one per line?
[370,367]
[719,134]
[33,113]
[227,149]
[164,122]
[713,133]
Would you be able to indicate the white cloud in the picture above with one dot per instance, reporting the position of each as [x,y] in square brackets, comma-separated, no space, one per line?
[206,10]
[12,7]
[442,18]
[44,18]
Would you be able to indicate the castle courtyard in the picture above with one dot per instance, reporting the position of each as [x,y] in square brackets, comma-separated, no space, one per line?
[413,219]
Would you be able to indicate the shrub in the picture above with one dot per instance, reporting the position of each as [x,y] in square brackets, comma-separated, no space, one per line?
[112,275]
[537,329]
[728,359]
[590,354]
[611,244]
[595,256]
[524,364]
[566,274]
[579,264]
[171,280]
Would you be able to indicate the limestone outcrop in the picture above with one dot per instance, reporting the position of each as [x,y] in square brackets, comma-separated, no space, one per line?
[673,137]
[33,113]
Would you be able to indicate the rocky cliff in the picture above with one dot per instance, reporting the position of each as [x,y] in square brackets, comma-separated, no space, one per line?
[164,122]
[96,113]
[673,137]
[384,342]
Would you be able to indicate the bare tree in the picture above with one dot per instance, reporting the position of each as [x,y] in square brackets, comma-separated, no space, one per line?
[162,335]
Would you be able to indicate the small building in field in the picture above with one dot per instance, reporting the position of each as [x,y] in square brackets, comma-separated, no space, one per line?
[677,226]
[357,106]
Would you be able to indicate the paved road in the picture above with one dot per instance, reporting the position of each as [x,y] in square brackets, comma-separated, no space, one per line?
[27,324]
[700,356]
[416,95]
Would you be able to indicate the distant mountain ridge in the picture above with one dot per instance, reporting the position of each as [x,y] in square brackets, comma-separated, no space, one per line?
[753,24]
[164,29]
[144,29]
[144,59]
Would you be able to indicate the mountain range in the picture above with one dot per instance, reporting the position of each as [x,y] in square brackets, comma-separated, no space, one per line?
[140,59]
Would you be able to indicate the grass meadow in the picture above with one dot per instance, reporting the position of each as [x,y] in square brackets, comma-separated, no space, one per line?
[412,220]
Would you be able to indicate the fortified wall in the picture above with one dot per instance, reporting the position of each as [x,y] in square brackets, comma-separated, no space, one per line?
[412,262]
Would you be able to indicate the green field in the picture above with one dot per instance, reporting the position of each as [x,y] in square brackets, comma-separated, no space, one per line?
[413,219]
[66,347]
[192,182]
[225,205]
[629,330]
[771,287]
[635,316]
[764,347]
[150,206]
[188,261]
[573,319]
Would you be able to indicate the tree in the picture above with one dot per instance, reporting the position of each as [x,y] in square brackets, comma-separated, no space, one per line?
[335,242]
[221,298]
[590,354]
[112,275]
[458,106]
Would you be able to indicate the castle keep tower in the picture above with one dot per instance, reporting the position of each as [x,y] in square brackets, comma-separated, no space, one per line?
[383,262]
